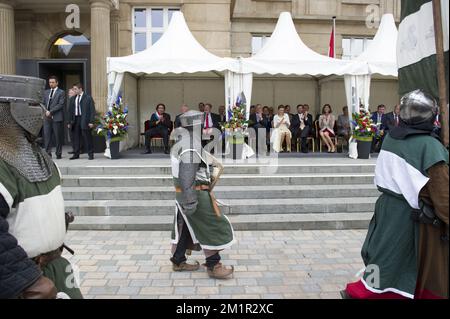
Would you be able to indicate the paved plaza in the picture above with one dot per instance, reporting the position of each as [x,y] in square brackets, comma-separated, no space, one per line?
[268,264]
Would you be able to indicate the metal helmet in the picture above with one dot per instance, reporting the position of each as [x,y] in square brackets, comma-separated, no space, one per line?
[25,97]
[21,113]
[191,118]
[418,107]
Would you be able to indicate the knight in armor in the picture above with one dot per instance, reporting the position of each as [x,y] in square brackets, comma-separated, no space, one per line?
[406,247]
[32,217]
[199,224]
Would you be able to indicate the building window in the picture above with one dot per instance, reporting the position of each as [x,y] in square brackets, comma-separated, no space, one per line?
[70,46]
[149,25]
[258,41]
[353,47]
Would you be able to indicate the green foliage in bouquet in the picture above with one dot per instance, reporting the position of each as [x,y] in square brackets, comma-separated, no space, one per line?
[114,125]
[237,124]
[363,126]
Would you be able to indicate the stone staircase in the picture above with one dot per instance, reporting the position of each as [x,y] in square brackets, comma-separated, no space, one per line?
[297,196]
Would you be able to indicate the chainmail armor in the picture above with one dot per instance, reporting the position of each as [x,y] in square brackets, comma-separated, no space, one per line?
[16,150]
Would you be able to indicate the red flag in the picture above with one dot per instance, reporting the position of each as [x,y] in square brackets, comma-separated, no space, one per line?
[331,51]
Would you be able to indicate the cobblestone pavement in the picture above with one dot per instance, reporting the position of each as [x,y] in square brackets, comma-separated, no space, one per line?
[268,264]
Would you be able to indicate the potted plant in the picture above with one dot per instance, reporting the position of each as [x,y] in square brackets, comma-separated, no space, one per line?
[99,141]
[113,126]
[235,129]
[364,130]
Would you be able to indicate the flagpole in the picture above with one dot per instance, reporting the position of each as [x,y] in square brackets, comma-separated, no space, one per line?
[334,37]
[440,64]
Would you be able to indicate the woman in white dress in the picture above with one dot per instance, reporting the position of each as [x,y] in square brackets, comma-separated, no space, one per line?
[326,125]
[281,130]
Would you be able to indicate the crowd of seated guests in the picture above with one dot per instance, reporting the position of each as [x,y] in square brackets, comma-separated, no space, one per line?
[290,131]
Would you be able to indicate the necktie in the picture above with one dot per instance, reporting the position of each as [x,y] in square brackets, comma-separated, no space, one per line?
[50,99]
[396,120]
[78,109]
[302,122]
[207,120]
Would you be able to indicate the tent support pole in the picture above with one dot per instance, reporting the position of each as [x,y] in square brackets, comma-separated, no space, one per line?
[318,94]
[441,71]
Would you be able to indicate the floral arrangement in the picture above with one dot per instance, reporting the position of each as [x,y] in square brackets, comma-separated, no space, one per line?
[114,125]
[237,123]
[363,126]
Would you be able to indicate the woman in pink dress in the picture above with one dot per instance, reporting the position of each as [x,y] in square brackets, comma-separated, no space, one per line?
[326,125]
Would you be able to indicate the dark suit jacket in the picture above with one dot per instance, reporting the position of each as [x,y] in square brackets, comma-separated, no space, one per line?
[374,118]
[295,122]
[56,107]
[166,123]
[390,121]
[224,119]
[215,120]
[87,106]
[254,122]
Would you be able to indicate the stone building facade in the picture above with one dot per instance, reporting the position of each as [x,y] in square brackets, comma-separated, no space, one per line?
[43,37]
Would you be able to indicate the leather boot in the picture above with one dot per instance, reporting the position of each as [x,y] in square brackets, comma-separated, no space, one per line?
[184,266]
[220,271]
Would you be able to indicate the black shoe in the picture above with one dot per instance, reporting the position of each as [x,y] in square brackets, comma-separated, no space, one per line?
[58,156]
[147,152]
[167,152]
[91,157]
[74,157]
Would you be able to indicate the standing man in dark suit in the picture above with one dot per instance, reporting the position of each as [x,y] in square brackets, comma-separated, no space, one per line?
[82,118]
[54,101]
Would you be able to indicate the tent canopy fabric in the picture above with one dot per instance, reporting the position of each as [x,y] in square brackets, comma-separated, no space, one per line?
[285,53]
[381,54]
[177,51]
[380,58]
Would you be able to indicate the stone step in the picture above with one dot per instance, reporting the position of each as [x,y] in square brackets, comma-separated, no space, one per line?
[240,222]
[222,192]
[137,170]
[232,206]
[226,180]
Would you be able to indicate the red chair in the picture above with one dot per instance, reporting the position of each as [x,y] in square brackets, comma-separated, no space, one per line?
[146,128]
[157,137]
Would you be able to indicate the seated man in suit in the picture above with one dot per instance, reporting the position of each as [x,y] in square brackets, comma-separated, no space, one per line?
[301,127]
[210,121]
[258,120]
[392,119]
[160,125]
[184,108]
[222,115]
[379,118]
[287,110]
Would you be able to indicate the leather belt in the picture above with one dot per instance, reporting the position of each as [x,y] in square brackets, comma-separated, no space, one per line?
[213,198]
[197,188]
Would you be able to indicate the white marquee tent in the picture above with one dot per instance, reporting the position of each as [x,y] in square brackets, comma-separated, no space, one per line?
[177,51]
[285,53]
[380,58]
